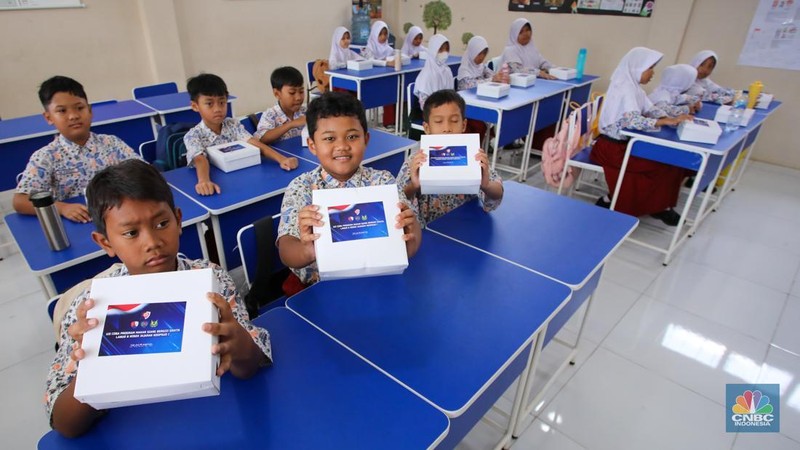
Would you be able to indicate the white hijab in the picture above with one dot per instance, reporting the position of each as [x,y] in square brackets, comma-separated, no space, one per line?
[702,56]
[624,93]
[468,68]
[527,55]
[435,75]
[409,49]
[376,49]
[675,80]
[339,56]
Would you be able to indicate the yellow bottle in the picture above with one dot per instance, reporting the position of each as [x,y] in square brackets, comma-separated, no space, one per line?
[753,93]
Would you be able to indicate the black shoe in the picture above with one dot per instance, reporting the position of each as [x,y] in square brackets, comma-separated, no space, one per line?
[517,144]
[689,182]
[602,203]
[669,217]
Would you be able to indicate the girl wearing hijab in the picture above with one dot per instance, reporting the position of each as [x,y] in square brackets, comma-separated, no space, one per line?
[340,49]
[649,187]
[412,47]
[521,55]
[436,74]
[669,98]
[378,43]
[473,71]
[705,62]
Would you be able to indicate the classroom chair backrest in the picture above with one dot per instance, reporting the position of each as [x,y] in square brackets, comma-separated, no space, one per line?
[411,102]
[589,114]
[494,63]
[256,243]
[155,89]
[170,149]
[250,122]
[147,150]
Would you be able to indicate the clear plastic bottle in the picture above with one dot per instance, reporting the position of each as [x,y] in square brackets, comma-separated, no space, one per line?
[736,115]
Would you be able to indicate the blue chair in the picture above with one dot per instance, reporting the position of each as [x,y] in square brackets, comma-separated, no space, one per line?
[147,150]
[155,89]
[312,91]
[589,112]
[247,122]
[494,63]
[412,100]
[248,251]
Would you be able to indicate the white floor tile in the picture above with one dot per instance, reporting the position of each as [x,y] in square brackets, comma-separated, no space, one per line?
[761,441]
[796,288]
[542,436]
[612,403]
[764,203]
[26,330]
[610,302]
[721,297]
[23,420]
[787,336]
[687,349]
[783,368]
[17,279]
[634,267]
[772,232]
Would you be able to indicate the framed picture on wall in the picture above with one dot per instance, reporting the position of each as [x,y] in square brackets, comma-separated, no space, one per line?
[630,8]
[374,7]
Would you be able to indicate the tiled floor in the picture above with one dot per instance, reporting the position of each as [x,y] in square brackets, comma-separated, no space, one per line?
[659,346]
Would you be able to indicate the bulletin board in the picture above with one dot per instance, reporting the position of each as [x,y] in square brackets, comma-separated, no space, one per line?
[629,8]
[773,40]
[10,5]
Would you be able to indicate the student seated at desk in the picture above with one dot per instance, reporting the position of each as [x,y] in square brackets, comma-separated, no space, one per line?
[412,46]
[670,98]
[444,114]
[521,54]
[338,137]
[209,96]
[286,119]
[435,74]
[378,48]
[473,72]
[65,166]
[705,62]
[136,220]
[649,187]
[340,49]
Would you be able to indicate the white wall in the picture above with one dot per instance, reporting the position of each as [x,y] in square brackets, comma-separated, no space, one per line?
[112,46]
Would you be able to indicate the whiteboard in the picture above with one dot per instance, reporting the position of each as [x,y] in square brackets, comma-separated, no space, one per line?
[6,5]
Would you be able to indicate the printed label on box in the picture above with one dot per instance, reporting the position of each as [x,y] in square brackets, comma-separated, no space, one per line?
[140,328]
[700,122]
[454,155]
[357,221]
[231,148]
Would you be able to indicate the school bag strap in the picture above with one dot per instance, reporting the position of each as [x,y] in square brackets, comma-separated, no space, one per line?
[168,143]
[320,77]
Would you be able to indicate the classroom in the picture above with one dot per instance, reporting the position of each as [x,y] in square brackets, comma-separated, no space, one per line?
[661,340]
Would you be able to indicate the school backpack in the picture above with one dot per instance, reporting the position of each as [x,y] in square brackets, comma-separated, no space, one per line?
[170,149]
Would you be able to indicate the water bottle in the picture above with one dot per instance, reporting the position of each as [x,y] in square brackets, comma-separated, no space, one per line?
[736,115]
[398,62]
[580,63]
[50,220]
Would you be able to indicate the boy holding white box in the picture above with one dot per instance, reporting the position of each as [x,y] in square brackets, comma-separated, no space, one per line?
[338,136]
[136,220]
[444,114]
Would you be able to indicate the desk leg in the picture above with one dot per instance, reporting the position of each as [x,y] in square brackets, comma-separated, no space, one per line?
[218,241]
[746,160]
[48,286]
[202,238]
[398,110]
[526,153]
[496,139]
[521,407]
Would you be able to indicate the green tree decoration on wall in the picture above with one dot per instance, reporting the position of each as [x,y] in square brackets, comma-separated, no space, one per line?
[437,15]
[466,37]
[407,26]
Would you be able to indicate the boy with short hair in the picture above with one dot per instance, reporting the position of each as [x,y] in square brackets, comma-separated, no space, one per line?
[338,136]
[444,114]
[209,96]
[65,166]
[136,220]
[286,119]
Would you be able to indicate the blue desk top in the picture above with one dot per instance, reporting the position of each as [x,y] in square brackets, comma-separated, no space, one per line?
[518,96]
[587,79]
[435,327]
[415,66]
[381,145]
[556,236]
[41,260]
[167,103]
[316,395]
[32,126]
[239,188]
[668,136]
